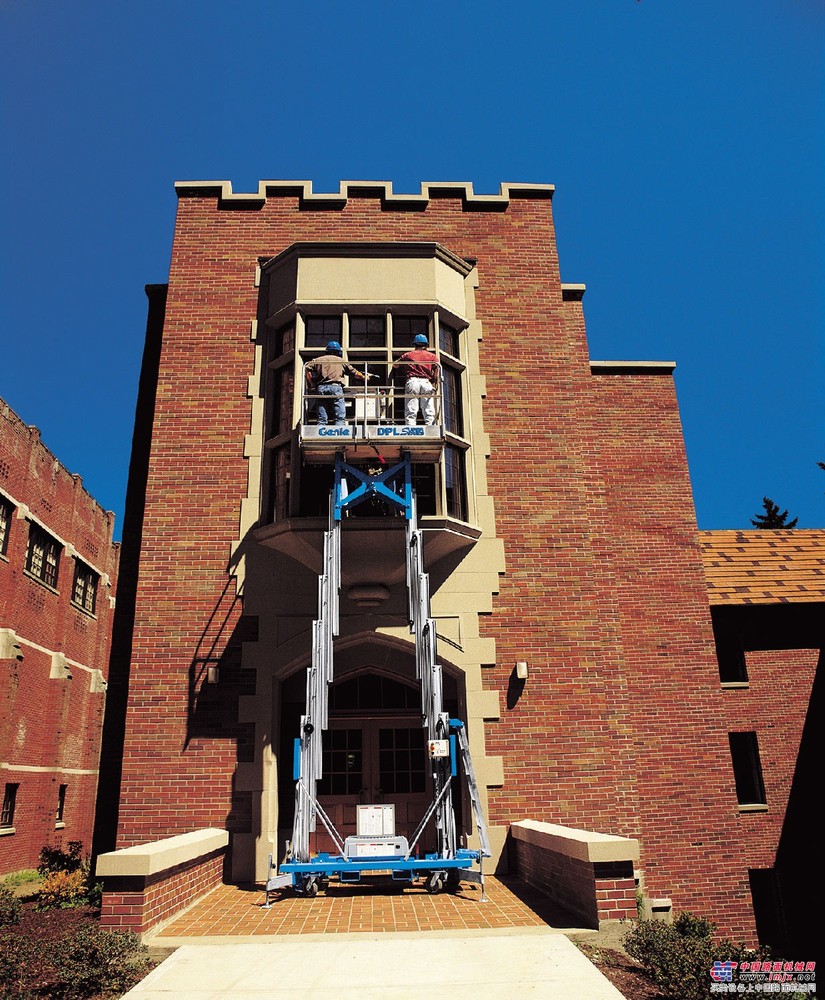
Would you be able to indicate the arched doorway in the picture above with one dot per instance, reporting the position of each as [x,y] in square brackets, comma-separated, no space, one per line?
[374,748]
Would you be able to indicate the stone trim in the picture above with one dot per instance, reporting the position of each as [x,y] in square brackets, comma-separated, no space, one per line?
[582,844]
[572,292]
[360,250]
[227,198]
[632,367]
[161,855]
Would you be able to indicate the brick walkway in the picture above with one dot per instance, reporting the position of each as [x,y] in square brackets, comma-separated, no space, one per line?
[238,911]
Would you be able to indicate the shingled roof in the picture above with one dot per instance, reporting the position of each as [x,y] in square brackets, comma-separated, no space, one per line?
[764,566]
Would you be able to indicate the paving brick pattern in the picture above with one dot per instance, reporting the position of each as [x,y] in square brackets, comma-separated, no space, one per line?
[238,911]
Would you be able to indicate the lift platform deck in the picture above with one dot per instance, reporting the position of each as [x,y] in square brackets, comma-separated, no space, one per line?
[375,423]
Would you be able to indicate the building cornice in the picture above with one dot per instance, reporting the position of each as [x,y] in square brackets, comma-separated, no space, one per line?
[632,367]
[354,250]
[228,198]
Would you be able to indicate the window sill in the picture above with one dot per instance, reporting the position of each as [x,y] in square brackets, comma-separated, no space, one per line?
[48,586]
[3,557]
[7,831]
[83,611]
[753,807]
[735,685]
[60,825]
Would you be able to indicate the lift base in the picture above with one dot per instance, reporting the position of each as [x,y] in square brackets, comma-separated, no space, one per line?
[306,877]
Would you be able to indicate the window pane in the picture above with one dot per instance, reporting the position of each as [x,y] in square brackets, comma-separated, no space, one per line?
[283,381]
[454,483]
[405,328]
[402,760]
[6,510]
[320,330]
[43,556]
[61,803]
[424,486]
[284,340]
[51,564]
[448,339]
[343,763]
[280,483]
[9,802]
[452,401]
[367,331]
[84,591]
[747,769]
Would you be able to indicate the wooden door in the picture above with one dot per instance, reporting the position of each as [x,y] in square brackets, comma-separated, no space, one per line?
[374,760]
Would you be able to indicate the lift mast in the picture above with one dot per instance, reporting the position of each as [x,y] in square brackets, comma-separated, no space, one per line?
[446,738]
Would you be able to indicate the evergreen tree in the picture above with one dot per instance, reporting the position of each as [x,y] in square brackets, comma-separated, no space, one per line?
[773,518]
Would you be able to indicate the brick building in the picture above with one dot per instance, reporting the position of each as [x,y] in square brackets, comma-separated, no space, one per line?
[58,569]
[561,534]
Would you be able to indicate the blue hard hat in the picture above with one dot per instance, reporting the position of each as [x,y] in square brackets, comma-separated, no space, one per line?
[420,340]
[334,347]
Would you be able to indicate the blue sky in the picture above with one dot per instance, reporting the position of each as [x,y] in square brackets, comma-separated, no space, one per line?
[686,142]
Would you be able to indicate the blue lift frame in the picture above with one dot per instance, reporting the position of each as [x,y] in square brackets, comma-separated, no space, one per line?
[393,486]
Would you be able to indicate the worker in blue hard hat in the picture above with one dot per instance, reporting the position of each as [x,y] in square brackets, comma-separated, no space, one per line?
[325,378]
[420,367]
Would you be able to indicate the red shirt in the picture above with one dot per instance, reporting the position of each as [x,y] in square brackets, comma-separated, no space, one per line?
[419,364]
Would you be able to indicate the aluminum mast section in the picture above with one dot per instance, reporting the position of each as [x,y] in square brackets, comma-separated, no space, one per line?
[319,678]
[428,673]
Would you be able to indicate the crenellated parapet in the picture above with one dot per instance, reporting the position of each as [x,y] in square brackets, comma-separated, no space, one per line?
[463,190]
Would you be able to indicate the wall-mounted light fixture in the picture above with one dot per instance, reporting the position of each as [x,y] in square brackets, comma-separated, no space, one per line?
[213,674]
[521,670]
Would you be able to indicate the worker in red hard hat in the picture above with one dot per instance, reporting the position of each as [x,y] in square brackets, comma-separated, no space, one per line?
[325,377]
[421,370]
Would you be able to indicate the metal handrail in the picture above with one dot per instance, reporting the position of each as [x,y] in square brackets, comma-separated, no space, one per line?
[378,400]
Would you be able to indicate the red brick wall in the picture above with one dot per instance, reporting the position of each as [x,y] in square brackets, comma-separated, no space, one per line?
[148,902]
[50,728]
[617,728]
[774,706]
[197,473]
[592,892]
[687,821]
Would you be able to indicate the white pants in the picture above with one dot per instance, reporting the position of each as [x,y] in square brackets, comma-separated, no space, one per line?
[420,393]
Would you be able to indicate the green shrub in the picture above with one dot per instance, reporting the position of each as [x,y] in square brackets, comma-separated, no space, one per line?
[55,859]
[60,890]
[95,962]
[678,957]
[18,955]
[67,879]
[10,907]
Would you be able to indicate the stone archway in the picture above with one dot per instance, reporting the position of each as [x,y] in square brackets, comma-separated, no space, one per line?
[374,748]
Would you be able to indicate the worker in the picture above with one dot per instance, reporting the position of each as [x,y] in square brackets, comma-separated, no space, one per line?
[325,377]
[421,372]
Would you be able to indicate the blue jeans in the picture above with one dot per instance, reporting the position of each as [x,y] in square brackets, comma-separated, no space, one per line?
[339,408]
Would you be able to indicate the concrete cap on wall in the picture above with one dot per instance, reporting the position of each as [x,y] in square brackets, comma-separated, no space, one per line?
[149,859]
[585,845]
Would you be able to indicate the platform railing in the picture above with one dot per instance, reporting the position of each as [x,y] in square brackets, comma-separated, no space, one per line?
[381,399]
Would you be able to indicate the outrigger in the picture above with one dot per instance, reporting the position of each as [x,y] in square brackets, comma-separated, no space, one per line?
[376,848]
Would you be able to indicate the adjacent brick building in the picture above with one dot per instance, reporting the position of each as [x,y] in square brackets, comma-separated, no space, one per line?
[561,534]
[58,569]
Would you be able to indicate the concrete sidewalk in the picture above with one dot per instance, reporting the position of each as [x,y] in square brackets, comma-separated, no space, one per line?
[495,964]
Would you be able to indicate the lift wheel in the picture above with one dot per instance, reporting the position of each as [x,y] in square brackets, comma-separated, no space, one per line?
[434,883]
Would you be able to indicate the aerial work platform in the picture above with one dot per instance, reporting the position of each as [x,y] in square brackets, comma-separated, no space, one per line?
[378,848]
[375,423]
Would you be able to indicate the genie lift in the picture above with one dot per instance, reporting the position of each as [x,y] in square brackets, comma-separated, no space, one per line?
[446,742]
